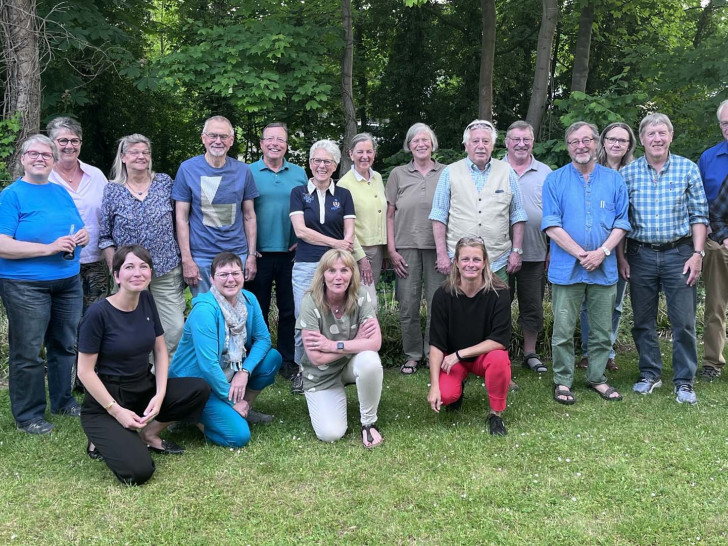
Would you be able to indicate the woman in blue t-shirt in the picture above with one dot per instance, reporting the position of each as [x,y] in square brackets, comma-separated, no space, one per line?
[126,406]
[41,235]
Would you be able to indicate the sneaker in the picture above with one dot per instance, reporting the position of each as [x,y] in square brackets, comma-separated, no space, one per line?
[72,410]
[257,418]
[297,383]
[36,426]
[497,428]
[709,373]
[646,385]
[685,393]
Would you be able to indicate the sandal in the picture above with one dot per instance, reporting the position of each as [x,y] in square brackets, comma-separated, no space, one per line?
[533,363]
[607,394]
[409,367]
[368,439]
[93,452]
[563,390]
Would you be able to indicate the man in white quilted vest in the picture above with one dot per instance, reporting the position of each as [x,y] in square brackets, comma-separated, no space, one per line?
[479,196]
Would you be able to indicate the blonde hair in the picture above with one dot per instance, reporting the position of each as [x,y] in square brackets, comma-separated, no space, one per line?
[491,281]
[318,284]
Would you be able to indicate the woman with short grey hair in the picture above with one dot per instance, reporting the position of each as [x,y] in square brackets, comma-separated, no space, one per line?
[85,184]
[410,242]
[138,209]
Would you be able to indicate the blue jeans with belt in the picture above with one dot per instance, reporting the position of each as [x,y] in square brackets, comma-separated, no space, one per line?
[650,271]
[41,312]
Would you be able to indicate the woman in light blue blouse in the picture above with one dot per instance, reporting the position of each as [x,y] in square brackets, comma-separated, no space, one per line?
[137,209]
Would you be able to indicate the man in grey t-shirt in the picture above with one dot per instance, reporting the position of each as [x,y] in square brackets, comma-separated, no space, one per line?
[529,282]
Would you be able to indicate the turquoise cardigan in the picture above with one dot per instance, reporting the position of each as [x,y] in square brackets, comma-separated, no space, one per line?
[199,353]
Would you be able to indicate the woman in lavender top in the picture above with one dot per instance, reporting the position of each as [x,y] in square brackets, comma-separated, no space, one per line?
[137,209]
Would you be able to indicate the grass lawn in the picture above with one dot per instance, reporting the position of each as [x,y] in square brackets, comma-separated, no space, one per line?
[643,471]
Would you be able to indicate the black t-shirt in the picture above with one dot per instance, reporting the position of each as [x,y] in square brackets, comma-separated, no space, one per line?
[122,339]
[459,321]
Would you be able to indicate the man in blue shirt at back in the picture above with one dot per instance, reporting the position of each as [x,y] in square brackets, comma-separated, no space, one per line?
[275,178]
[713,165]
[585,215]
[214,207]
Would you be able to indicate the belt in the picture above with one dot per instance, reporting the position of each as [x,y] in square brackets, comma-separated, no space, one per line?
[662,246]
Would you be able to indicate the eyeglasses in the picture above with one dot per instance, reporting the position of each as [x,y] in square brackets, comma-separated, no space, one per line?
[32,154]
[67,141]
[723,124]
[234,274]
[137,153]
[324,162]
[215,136]
[279,140]
[480,124]
[584,142]
[620,141]
[518,140]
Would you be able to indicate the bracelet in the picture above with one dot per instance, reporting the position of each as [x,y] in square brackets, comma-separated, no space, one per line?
[457,354]
[107,406]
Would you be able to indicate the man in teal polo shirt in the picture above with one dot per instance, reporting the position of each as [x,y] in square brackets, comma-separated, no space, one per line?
[275,178]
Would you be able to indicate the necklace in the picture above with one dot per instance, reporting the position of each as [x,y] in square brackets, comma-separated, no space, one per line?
[73,174]
[136,190]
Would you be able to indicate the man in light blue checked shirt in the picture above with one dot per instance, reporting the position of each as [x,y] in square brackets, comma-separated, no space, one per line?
[668,212]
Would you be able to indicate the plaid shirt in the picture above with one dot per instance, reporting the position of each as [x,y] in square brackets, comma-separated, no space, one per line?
[719,214]
[663,206]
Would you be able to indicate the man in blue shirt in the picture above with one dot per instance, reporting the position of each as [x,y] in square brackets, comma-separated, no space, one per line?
[585,215]
[713,165]
[275,178]
[669,216]
[214,207]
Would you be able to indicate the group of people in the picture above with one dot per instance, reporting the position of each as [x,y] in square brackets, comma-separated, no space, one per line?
[468,237]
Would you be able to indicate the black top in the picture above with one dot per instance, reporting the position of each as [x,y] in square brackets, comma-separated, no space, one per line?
[459,321]
[122,339]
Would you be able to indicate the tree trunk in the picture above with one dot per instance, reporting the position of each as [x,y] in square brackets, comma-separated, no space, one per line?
[347,66]
[22,66]
[706,24]
[580,71]
[487,57]
[539,91]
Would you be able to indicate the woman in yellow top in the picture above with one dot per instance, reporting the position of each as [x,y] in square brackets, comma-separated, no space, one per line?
[370,203]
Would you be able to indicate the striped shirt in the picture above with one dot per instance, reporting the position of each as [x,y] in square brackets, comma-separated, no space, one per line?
[663,206]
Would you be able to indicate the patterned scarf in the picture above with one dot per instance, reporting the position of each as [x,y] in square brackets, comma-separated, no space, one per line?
[235,331]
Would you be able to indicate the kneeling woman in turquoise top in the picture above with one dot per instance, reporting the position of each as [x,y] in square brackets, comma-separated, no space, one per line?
[226,343]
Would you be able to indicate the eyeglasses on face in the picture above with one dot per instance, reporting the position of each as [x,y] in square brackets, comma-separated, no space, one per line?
[584,142]
[215,136]
[620,141]
[270,139]
[137,153]
[518,140]
[67,141]
[324,162]
[225,275]
[45,156]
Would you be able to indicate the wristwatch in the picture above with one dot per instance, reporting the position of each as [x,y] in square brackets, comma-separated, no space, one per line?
[606,251]
[339,345]
[517,250]
[701,252]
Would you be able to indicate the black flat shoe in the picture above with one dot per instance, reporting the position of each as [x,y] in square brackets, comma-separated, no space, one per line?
[93,453]
[168,448]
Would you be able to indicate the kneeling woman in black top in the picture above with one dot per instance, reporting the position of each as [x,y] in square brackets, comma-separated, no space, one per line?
[126,406]
[470,331]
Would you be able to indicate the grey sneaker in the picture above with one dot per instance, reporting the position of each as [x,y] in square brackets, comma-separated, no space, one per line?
[686,394]
[646,385]
[257,418]
[708,373]
[36,426]
[72,410]
[297,383]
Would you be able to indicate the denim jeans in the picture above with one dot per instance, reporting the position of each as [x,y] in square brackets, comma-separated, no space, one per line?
[41,312]
[302,277]
[277,267]
[566,303]
[650,271]
[616,319]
